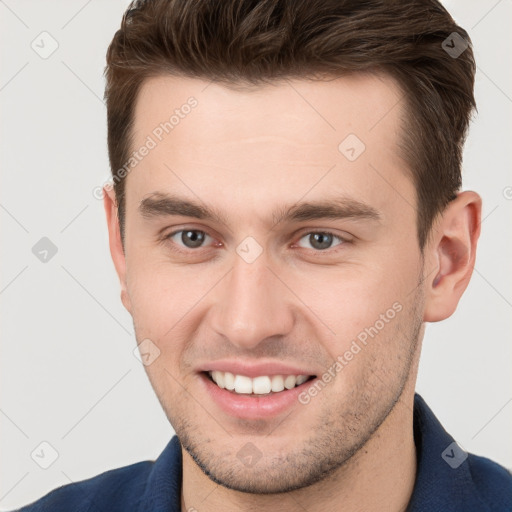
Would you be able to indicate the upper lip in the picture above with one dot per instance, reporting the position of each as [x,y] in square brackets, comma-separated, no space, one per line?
[253,369]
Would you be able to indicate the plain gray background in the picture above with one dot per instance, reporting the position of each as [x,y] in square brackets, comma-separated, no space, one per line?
[69,375]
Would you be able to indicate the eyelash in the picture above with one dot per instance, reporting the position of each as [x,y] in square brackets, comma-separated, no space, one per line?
[330,250]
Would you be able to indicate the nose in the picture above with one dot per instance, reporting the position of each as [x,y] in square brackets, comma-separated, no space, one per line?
[252,304]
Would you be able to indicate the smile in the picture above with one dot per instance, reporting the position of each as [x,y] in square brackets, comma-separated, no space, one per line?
[261,385]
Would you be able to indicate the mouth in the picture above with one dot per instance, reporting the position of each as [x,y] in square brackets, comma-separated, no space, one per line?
[260,386]
[249,391]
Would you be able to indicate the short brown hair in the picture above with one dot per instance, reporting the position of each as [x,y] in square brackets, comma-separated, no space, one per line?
[253,42]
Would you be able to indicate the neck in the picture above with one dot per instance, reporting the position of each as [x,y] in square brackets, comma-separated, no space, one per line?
[380,476]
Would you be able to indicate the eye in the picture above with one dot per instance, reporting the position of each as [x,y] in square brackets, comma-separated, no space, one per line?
[320,240]
[188,238]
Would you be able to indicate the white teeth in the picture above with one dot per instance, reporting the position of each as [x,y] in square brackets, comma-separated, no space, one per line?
[261,385]
[290,381]
[243,384]
[277,383]
[219,378]
[229,381]
[301,379]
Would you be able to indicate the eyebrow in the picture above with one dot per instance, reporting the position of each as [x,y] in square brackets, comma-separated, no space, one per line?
[159,204]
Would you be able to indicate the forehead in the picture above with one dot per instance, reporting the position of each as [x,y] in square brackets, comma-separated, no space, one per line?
[327,109]
[271,143]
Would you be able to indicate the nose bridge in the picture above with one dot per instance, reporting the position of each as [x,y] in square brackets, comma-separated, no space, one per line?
[252,305]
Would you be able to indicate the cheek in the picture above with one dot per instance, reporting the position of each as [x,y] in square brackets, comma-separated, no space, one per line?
[167,299]
[155,295]
[349,299]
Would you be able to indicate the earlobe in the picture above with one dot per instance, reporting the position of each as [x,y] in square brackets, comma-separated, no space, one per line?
[451,253]
[115,243]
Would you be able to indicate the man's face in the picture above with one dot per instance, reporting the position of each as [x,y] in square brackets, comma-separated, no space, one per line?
[273,288]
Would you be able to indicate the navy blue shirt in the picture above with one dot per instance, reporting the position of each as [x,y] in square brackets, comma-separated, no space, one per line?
[447,480]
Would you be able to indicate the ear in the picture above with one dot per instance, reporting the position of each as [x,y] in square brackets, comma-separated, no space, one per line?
[450,255]
[114,236]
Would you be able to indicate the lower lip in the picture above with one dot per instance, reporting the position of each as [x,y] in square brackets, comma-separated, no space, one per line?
[254,407]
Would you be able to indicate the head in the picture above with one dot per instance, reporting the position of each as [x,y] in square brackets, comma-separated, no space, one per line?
[287,192]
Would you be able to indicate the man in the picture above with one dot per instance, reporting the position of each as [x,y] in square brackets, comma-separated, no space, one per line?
[285,218]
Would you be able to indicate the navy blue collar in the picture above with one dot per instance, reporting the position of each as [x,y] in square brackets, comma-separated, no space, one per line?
[443,478]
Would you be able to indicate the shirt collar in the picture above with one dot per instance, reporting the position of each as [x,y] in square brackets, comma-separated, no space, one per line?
[443,479]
